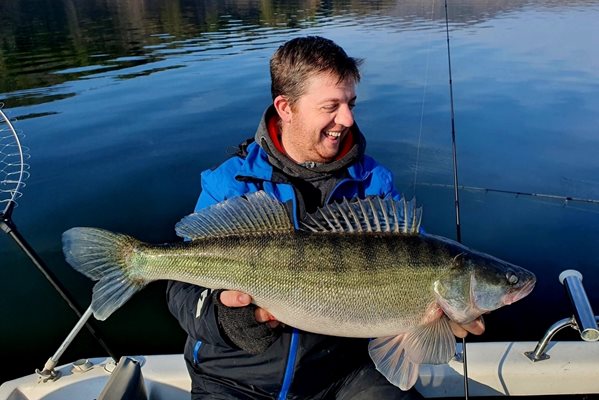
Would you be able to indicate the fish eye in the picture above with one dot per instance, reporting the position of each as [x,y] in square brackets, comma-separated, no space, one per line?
[511,278]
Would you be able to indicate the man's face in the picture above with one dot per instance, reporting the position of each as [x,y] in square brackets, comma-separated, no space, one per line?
[319,120]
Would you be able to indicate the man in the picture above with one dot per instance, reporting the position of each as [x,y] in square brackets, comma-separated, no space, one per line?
[308,151]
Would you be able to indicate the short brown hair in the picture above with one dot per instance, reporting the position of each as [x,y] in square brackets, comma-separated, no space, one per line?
[298,59]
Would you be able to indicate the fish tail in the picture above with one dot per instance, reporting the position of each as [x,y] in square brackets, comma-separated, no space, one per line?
[105,257]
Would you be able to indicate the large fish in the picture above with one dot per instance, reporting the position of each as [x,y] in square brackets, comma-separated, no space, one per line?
[359,268]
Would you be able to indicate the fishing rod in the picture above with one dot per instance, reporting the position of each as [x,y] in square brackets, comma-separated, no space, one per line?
[454,154]
[565,199]
[13,173]
[455,182]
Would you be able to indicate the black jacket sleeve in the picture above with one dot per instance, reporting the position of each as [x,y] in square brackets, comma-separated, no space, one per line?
[194,308]
[201,314]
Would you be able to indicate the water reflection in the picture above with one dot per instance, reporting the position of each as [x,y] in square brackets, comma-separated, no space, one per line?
[45,44]
[125,102]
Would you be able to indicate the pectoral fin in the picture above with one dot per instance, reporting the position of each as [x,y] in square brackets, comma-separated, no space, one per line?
[398,358]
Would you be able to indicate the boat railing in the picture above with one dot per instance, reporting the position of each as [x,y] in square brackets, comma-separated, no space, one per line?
[583,319]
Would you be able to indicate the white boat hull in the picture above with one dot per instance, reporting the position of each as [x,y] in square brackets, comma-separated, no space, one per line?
[494,369]
[164,376]
[502,369]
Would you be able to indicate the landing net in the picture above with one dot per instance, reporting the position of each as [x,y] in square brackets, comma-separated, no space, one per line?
[13,166]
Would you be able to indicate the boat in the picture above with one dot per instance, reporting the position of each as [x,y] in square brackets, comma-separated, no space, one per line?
[496,369]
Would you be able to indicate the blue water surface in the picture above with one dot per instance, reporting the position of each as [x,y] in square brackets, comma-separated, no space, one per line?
[123,104]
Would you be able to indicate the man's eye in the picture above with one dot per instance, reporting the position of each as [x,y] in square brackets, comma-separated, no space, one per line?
[352,106]
[330,107]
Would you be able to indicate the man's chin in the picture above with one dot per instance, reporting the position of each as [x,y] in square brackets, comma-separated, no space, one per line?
[330,155]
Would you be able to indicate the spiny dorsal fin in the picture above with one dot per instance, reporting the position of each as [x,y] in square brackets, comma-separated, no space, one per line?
[253,213]
[371,214]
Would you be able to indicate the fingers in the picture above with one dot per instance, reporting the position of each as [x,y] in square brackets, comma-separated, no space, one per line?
[233,298]
[458,330]
[476,327]
[264,316]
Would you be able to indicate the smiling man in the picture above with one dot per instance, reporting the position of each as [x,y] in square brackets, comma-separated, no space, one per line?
[307,151]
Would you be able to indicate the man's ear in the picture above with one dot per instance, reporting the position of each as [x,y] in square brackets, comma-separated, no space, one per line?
[283,107]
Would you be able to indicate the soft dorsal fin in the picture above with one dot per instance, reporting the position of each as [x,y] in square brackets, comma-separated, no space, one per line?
[249,214]
[371,214]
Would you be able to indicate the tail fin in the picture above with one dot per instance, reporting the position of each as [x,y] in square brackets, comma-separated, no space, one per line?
[103,256]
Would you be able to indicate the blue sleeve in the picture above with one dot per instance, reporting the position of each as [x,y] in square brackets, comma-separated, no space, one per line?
[391,190]
[209,195]
[381,181]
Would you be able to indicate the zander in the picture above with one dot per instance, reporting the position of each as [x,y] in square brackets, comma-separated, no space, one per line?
[360,268]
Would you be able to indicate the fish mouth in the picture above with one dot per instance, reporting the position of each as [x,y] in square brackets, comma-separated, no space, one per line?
[519,293]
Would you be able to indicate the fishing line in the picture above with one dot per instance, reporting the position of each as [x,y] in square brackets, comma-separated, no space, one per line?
[13,173]
[424,89]
[455,182]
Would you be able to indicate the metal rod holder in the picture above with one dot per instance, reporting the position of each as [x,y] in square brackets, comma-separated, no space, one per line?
[583,313]
[538,354]
[583,320]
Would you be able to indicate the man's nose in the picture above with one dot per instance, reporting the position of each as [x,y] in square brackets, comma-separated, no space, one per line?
[344,116]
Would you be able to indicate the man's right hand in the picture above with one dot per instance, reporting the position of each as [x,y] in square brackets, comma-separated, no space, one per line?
[234,298]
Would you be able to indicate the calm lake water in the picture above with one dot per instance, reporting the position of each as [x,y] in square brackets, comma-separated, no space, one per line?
[124,102]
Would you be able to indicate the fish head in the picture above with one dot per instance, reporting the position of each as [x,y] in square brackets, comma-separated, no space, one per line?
[477,283]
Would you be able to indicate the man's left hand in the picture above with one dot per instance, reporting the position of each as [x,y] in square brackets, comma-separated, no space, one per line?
[476,327]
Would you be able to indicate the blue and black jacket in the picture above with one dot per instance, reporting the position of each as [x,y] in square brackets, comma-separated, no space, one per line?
[298,364]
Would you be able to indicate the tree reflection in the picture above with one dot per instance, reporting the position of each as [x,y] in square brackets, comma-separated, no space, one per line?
[42,39]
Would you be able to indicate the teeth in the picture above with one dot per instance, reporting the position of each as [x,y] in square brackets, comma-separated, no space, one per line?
[333,134]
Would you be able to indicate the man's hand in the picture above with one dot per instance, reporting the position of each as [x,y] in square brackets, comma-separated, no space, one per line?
[233,298]
[475,327]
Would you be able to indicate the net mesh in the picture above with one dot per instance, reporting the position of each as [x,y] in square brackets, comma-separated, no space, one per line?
[13,166]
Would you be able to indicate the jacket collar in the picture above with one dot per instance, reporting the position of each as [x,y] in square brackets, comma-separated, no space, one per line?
[256,164]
